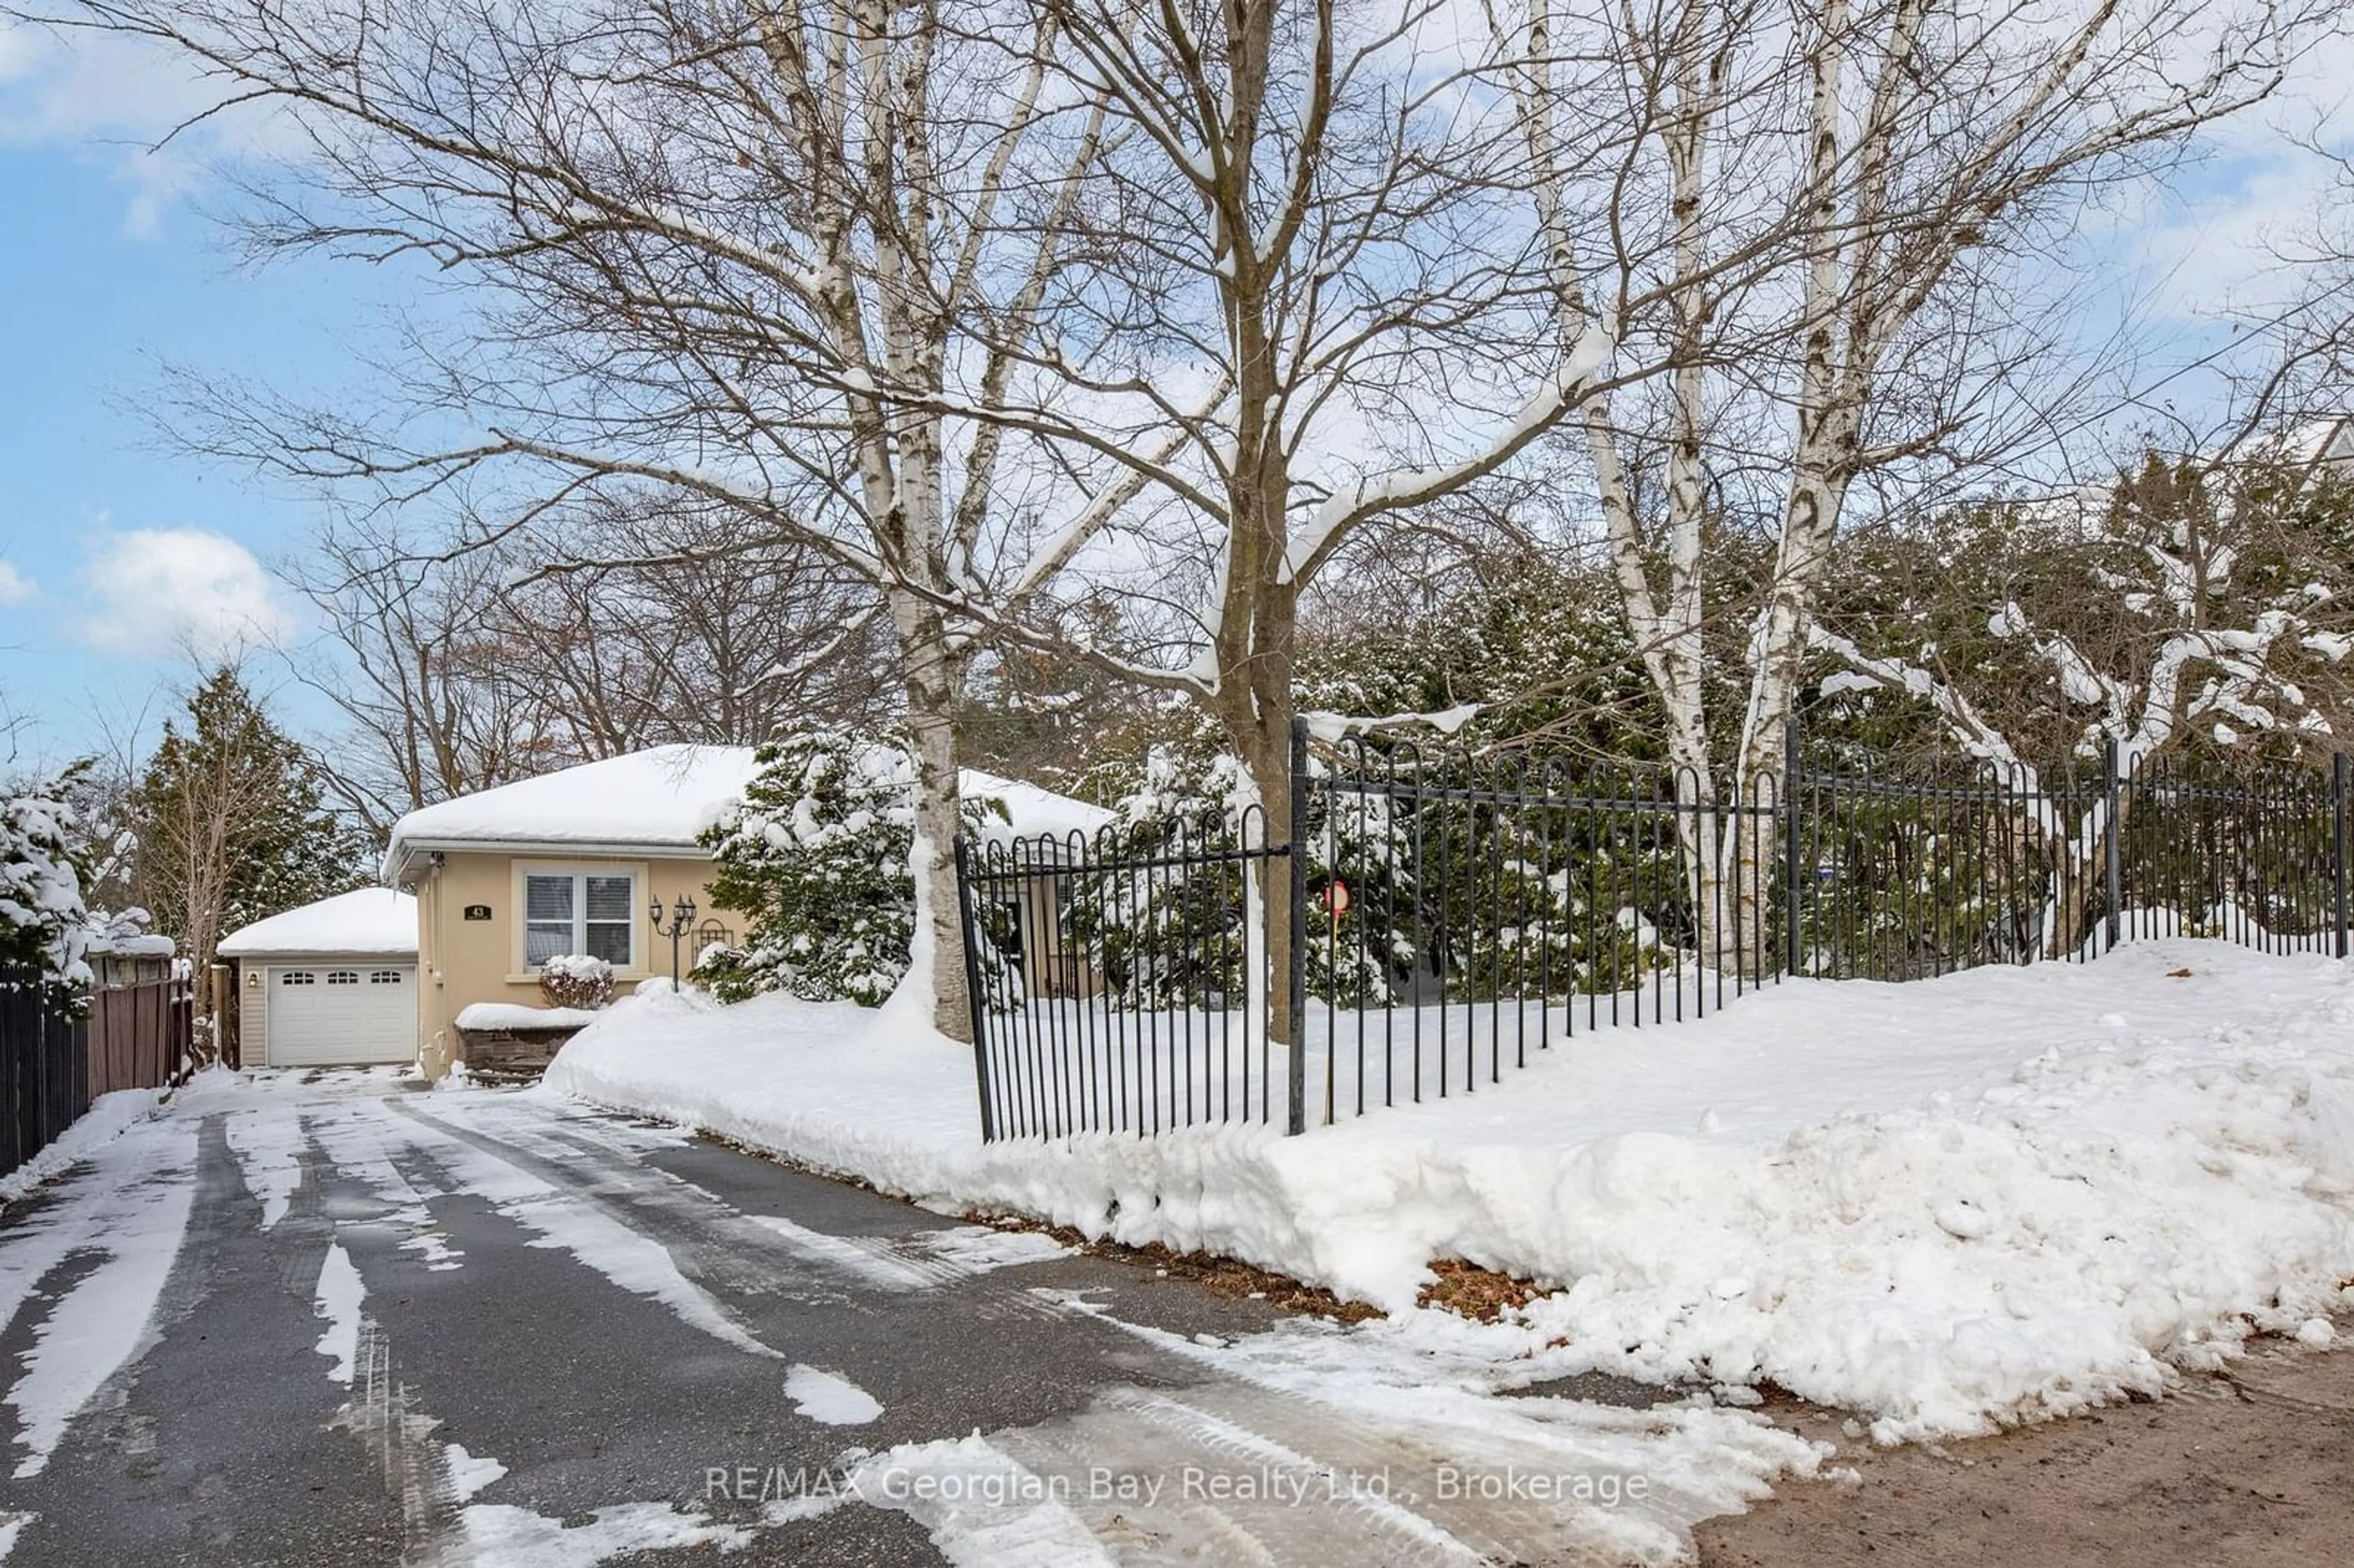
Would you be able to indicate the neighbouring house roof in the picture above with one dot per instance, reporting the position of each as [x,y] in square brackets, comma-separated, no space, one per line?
[2329,440]
[655,801]
[372,920]
[1034,810]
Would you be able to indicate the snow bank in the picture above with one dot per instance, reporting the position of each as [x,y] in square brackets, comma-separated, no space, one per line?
[101,1124]
[1998,1197]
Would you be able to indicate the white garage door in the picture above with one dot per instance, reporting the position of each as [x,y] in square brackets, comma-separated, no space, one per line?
[332,1013]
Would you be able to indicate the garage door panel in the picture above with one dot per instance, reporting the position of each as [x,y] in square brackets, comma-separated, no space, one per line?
[335,1014]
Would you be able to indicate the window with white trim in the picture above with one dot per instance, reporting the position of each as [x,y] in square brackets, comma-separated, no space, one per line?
[342,977]
[296,976]
[385,977]
[591,912]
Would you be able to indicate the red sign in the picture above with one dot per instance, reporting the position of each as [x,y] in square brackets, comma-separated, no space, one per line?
[1336,898]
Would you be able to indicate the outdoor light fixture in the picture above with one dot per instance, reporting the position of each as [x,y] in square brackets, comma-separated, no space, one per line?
[682,915]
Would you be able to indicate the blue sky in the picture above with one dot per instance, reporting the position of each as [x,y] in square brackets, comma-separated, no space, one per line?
[96,520]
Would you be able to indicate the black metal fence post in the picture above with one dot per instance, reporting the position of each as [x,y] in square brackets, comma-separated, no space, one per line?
[2113,851]
[1296,956]
[976,1000]
[1793,840]
[2337,847]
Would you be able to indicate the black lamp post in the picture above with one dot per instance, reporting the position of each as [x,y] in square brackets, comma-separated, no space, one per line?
[682,915]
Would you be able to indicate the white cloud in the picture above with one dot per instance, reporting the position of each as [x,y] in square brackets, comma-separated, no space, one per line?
[16,587]
[165,591]
[114,98]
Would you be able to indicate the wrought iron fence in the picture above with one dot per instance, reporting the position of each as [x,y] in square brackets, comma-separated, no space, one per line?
[1120,986]
[1466,912]
[1457,915]
[1906,873]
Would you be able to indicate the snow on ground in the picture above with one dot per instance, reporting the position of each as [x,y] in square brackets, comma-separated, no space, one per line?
[468,1472]
[105,1120]
[828,1398]
[115,1233]
[1600,1483]
[268,1144]
[1952,1205]
[337,1300]
[981,1509]
[521,1015]
[977,1249]
[516,1537]
[571,1223]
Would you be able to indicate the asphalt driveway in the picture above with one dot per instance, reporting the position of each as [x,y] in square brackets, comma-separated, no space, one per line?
[330,1319]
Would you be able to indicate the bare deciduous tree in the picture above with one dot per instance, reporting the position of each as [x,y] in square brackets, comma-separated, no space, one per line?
[605,628]
[776,260]
[659,623]
[417,676]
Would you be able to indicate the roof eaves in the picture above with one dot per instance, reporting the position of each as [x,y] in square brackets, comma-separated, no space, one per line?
[400,860]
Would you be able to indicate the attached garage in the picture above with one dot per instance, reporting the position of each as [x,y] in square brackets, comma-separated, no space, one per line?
[332,984]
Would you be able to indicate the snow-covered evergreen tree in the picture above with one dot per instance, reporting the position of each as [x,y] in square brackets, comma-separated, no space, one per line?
[43,923]
[815,856]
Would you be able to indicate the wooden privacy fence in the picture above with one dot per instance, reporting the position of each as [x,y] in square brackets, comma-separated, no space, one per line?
[55,1060]
[139,1035]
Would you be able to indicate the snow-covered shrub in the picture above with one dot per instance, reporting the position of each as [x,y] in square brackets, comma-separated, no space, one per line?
[1168,938]
[576,979]
[1458,884]
[1173,938]
[815,857]
[43,923]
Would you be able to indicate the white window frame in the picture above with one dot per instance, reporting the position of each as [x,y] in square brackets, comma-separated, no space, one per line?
[580,875]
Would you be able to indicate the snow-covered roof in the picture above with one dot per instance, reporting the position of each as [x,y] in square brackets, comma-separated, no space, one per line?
[370,920]
[656,801]
[132,945]
[2329,440]
[1034,810]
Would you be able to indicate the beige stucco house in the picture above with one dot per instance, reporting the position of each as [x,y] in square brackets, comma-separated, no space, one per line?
[570,862]
[575,861]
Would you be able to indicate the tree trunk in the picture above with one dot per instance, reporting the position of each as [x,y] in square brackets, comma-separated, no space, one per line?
[934,676]
[1730,858]
[1255,709]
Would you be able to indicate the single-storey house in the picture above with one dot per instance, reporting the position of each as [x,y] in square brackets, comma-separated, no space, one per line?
[574,862]
[330,984]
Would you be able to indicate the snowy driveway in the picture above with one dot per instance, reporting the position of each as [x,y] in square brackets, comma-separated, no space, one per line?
[329,1321]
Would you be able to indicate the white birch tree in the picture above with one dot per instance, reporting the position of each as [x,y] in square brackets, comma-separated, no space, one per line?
[1322,302]
[1927,144]
[776,260]
[2192,605]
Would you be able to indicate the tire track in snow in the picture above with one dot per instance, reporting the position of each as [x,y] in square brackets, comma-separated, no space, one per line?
[360,1141]
[436,1483]
[267,1142]
[1407,1454]
[602,1157]
[571,1221]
